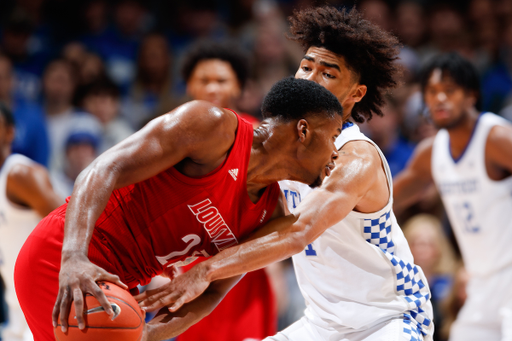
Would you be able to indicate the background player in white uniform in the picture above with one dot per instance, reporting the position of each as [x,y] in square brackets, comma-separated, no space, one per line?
[378,299]
[470,161]
[26,196]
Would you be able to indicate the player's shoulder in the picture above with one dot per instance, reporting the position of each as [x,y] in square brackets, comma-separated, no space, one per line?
[500,133]
[360,149]
[202,114]
[24,174]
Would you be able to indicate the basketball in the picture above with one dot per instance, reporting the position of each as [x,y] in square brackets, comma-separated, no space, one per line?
[127,324]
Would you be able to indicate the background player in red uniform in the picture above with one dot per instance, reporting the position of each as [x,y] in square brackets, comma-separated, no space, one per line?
[191,183]
[217,72]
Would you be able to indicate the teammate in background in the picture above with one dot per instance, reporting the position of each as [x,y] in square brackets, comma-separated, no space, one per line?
[217,72]
[353,264]
[470,161]
[26,196]
[190,183]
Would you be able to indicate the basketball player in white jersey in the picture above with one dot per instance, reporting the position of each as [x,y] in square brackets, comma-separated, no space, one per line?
[353,264]
[26,196]
[470,162]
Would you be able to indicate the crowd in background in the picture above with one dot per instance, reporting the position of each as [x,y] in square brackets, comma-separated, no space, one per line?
[80,76]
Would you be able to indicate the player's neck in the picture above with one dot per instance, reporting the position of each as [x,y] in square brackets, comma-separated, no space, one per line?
[273,155]
[461,133]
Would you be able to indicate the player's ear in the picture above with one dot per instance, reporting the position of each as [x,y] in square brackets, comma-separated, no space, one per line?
[358,93]
[303,130]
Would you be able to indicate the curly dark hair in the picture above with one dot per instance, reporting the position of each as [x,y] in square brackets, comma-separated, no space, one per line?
[369,51]
[227,51]
[463,73]
[292,99]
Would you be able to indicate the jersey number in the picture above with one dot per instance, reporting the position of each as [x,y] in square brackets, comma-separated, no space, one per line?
[310,251]
[466,214]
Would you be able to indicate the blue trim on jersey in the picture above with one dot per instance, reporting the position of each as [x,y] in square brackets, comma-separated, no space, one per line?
[347,125]
[456,160]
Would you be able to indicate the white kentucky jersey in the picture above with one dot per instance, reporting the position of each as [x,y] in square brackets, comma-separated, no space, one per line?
[16,224]
[479,209]
[360,272]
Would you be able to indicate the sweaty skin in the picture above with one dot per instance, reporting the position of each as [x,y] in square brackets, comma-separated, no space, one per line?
[357,183]
[194,138]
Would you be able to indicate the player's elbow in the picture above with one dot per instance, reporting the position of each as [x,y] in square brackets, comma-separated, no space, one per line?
[298,238]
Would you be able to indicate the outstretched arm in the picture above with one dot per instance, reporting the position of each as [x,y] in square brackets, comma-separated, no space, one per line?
[167,325]
[197,130]
[352,178]
[30,186]
[410,184]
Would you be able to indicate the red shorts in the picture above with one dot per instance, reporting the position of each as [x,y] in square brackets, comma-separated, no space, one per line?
[36,274]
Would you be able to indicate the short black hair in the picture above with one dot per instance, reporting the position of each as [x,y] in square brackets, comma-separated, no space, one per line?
[293,99]
[461,70]
[369,51]
[227,51]
[7,115]
[103,86]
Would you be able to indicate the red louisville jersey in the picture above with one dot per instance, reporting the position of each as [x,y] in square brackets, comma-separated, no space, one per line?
[172,219]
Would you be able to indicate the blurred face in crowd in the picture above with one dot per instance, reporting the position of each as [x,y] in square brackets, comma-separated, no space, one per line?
[78,157]
[105,107]
[154,58]
[424,245]
[58,82]
[447,101]
[6,78]
[214,80]
[330,70]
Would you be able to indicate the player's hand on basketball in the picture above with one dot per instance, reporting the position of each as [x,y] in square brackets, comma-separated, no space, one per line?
[183,289]
[77,277]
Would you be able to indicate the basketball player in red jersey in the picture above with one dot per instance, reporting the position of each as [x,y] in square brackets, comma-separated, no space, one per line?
[217,72]
[191,183]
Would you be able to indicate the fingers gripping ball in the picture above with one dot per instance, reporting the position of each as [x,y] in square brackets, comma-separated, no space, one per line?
[127,324]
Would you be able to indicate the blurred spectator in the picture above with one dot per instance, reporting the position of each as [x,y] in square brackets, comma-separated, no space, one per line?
[151,94]
[117,45]
[59,82]
[411,23]
[217,72]
[31,138]
[385,132]
[101,99]
[433,253]
[28,66]
[497,82]
[454,302]
[376,11]
[81,148]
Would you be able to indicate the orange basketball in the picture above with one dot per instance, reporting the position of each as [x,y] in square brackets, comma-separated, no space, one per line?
[127,325]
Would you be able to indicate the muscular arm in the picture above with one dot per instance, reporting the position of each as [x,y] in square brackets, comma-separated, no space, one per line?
[197,131]
[499,148]
[410,184]
[30,186]
[167,325]
[355,174]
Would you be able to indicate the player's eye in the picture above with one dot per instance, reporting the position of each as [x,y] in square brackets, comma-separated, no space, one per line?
[306,69]
[328,75]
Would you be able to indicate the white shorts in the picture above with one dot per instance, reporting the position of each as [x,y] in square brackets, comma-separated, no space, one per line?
[487,312]
[392,330]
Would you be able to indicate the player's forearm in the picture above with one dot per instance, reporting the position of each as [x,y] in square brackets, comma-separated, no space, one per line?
[167,325]
[278,240]
[90,196]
